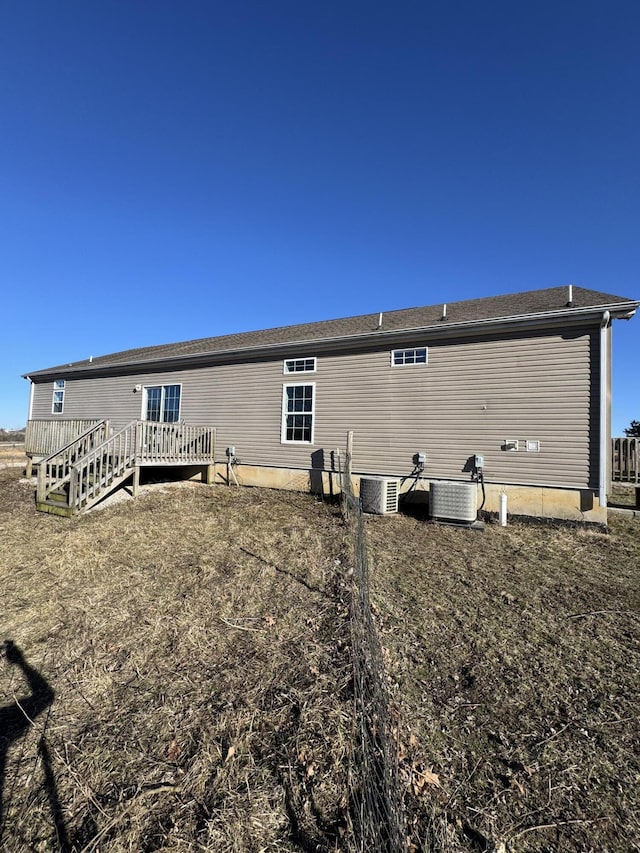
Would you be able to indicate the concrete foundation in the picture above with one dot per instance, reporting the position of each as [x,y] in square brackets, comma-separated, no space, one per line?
[536,501]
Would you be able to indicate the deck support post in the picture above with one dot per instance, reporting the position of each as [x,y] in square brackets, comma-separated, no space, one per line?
[136,481]
[41,490]
[29,470]
[209,474]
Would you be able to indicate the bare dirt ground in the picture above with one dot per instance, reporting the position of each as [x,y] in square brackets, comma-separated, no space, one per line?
[515,664]
[184,663]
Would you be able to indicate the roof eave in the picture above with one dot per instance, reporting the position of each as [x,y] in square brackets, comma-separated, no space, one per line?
[443,328]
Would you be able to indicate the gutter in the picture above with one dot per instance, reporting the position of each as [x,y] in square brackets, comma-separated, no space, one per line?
[604,410]
[626,309]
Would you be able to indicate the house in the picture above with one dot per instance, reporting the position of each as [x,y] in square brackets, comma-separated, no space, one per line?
[522,379]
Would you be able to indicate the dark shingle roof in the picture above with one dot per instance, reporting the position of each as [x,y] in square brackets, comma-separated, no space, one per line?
[470,310]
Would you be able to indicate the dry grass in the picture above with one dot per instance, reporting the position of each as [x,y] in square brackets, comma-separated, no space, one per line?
[624,496]
[515,663]
[11,454]
[197,644]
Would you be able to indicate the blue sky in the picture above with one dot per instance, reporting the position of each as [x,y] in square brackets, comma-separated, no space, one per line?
[177,170]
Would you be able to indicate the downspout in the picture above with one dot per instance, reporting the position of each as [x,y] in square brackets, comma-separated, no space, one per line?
[604,420]
[30,398]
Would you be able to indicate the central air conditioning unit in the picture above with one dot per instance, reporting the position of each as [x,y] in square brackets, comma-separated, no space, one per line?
[379,495]
[450,501]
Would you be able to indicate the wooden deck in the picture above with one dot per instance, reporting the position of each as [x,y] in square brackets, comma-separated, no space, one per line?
[93,464]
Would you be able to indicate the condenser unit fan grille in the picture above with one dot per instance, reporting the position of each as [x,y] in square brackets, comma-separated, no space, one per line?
[450,501]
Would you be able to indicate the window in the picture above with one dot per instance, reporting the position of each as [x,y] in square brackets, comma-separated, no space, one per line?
[417,355]
[297,413]
[57,405]
[162,403]
[300,365]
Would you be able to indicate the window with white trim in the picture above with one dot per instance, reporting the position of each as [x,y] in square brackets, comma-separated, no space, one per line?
[297,413]
[415,355]
[300,365]
[162,403]
[57,405]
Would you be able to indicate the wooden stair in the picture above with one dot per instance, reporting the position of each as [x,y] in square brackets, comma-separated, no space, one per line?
[94,464]
[86,470]
[58,501]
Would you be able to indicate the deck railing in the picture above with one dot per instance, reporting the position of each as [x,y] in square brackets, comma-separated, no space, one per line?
[54,471]
[175,444]
[625,460]
[43,437]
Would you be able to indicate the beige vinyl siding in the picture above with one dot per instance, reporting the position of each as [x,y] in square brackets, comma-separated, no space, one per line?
[469,398]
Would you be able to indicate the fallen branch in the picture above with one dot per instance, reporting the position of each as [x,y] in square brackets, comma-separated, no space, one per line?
[239,627]
[598,612]
[555,734]
[554,826]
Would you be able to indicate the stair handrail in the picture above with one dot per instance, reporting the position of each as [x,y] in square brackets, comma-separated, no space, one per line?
[48,481]
[105,462]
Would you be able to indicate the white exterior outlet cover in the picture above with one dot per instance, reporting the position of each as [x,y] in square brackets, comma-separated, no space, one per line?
[533,446]
[510,444]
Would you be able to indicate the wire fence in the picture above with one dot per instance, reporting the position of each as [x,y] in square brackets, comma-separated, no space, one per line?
[377,797]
